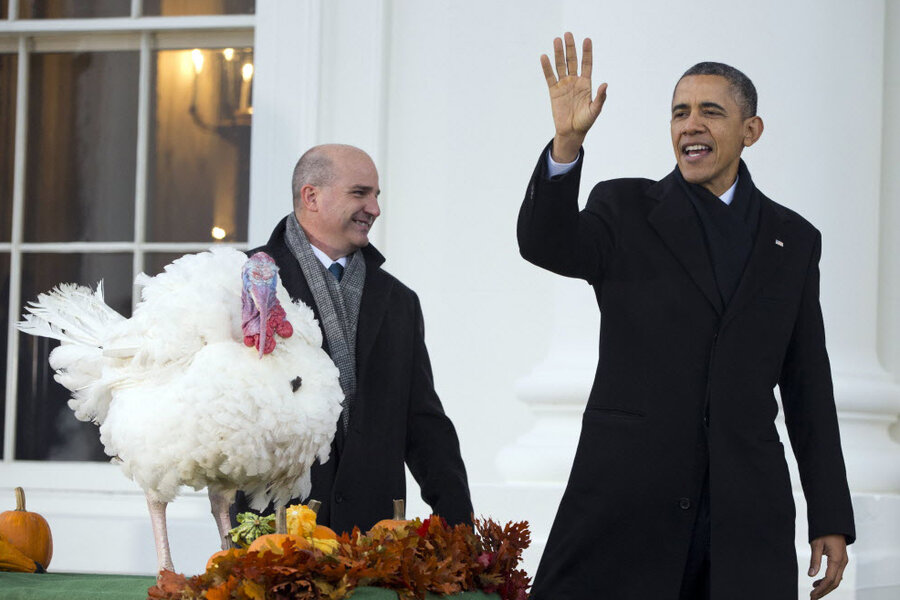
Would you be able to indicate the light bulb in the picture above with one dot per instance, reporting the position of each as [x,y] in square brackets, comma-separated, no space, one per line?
[197,57]
[247,71]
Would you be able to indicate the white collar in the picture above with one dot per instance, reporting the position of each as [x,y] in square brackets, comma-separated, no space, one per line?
[325,260]
[728,196]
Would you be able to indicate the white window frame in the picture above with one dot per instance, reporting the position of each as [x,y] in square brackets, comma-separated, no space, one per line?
[145,34]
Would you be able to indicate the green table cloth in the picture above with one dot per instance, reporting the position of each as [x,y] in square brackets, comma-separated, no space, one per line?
[71,586]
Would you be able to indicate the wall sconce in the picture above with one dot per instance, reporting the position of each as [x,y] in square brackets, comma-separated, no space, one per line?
[232,71]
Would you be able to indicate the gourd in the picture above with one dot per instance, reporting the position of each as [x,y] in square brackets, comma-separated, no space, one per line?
[11,559]
[398,522]
[251,526]
[27,531]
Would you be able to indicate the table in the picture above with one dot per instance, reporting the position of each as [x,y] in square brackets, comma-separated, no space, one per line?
[79,586]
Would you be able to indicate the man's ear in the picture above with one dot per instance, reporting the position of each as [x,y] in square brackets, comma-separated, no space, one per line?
[753,128]
[309,198]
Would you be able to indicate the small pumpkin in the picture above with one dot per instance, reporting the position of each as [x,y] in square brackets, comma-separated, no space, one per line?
[273,542]
[230,553]
[27,531]
[324,533]
[399,521]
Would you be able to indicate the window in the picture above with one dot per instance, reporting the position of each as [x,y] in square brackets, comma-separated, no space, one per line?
[124,143]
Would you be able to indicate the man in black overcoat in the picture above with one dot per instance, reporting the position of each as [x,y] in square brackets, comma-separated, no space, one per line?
[709,296]
[373,330]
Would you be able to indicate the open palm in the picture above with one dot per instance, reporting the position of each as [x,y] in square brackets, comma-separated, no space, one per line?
[574,111]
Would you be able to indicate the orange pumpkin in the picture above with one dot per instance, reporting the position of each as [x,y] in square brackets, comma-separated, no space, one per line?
[272,542]
[27,531]
[231,552]
[324,533]
[398,522]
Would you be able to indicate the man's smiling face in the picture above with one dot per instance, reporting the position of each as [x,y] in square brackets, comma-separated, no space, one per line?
[709,132]
[343,210]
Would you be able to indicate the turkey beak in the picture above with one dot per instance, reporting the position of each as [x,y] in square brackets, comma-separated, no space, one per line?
[262,298]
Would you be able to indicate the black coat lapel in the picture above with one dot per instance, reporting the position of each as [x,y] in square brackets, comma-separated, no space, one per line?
[767,255]
[676,222]
[372,307]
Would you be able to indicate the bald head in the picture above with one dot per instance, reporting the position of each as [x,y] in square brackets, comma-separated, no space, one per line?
[317,167]
[336,198]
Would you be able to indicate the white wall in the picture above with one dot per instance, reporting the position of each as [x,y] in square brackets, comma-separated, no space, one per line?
[468,113]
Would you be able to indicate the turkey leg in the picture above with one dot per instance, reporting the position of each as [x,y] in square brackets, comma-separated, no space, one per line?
[219,504]
[160,536]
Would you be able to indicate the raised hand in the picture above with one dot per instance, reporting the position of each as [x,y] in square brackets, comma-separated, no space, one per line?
[574,111]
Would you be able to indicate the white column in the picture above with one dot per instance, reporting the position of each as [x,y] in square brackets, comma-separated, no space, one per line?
[867,396]
[889,272]
[557,390]
[287,53]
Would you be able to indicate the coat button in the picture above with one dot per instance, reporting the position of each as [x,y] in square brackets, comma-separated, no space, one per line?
[338,498]
[684,503]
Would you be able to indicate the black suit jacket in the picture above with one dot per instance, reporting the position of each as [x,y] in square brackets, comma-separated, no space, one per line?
[685,384]
[397,417]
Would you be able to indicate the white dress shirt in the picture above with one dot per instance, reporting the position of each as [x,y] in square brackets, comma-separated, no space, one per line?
[325,260]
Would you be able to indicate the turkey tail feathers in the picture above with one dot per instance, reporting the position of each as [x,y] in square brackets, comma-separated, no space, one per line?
[79,318]
[70,313]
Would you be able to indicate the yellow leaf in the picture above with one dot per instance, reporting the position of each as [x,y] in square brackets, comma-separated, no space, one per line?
[253,590]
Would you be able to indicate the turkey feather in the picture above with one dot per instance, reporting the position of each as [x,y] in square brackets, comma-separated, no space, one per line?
[180,399]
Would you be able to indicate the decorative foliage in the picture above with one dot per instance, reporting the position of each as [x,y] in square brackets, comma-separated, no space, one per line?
[412,559]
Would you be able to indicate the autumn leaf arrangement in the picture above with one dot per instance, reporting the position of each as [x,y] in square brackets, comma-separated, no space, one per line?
[411,558]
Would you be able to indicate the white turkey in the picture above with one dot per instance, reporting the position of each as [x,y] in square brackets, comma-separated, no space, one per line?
[218,380]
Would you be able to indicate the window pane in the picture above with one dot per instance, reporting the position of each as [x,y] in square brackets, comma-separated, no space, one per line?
[82,140]
[174,8]
[46,429]
[7,140]
[4,14]
[78,9]
[4,331]
[154,262]
[199,160]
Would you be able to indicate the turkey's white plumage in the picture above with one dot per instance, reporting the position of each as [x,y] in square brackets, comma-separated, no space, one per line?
[180,400]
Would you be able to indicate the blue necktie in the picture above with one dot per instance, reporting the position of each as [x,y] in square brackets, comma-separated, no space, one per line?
[337,270]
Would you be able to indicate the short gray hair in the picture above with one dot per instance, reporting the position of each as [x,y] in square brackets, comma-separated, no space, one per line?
[315,167]
[743,89]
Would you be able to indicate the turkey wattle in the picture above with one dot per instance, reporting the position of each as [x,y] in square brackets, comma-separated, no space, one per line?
[218,380]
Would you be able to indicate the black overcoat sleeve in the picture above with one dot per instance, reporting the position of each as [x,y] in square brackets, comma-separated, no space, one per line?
[432,446]
[808,399]
[555,235]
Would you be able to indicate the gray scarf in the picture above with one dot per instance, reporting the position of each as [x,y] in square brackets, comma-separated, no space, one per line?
[338,304]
